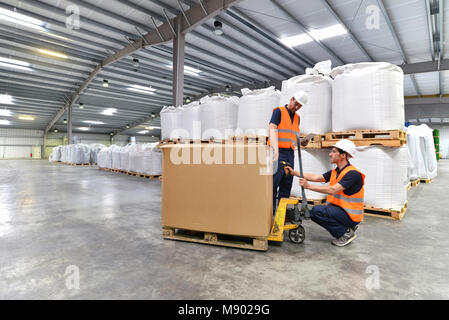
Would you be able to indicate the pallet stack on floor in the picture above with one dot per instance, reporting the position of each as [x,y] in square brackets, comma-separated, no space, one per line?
[136,174]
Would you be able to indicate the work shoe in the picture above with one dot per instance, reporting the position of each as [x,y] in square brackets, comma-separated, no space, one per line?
[345,239]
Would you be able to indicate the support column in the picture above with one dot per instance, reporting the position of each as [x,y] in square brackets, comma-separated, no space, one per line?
[178,65]
[44,146]
[69,125]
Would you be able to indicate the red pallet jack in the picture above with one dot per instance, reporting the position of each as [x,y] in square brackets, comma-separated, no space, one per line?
[298,213]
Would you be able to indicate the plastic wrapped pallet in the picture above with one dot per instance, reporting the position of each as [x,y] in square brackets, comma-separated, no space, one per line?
[255,110]
[190,123]
[152,160]
[170,122]
[115,154]
[367,95]
[316,114]
[386,175]
[218,117]
[79,154]
[314,161]
[422,151]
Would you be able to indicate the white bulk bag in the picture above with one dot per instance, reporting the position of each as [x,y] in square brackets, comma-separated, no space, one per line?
[218,117]
[422,150]
[136,158]
[103,159]
[316,114]
[367,95]
[80,154]
[386,175]
[94,150]
[255,109]
[314,161]
[170,122]
[152,160]
[115,154]
[190,126]
[64,153]
[124,157]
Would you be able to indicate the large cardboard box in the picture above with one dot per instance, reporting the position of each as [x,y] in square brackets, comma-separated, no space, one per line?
[218,188]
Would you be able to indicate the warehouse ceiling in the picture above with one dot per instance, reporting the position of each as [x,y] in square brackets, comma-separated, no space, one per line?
[48,48]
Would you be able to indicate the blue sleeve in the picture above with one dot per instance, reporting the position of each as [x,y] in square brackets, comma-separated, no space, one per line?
[276,117]
[327,176]
[352,182]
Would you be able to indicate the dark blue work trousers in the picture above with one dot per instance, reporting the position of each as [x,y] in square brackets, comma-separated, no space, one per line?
[332,218]
[280,180]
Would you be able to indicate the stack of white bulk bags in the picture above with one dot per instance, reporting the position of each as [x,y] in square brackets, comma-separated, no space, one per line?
[367,95]
[94,150]
[422,151]
[170,122]
[115,153]
[56,154]
[105,158]
[218,117]
[152,160]
[190,123]
[386,180]
[316,114]
[70,153]
[414,154]
[314,161]
[255,109]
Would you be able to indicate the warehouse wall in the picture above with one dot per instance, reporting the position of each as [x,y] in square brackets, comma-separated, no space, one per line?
[444,140]
[20,143]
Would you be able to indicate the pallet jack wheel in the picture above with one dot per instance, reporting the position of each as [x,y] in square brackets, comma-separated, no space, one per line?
[297,235]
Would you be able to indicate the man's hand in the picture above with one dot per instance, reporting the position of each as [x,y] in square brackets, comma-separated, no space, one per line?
[304,142]
[288,171]
[304,183]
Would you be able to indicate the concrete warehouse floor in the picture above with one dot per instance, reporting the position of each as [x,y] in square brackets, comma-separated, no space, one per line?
[53,216]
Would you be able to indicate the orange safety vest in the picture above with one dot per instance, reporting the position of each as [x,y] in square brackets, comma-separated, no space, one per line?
[353,204]
[287,130]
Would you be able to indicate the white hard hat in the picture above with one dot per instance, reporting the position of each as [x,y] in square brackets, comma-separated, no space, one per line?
[347,146]
[301,97]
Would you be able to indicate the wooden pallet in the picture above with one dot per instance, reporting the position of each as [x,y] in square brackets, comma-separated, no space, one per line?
[141,175]
[77,164]
[425,180]
[387,138]
[392,214]
[415,183]
[249,139]
[312,202]
[409,186]
[104,169]
[251,243]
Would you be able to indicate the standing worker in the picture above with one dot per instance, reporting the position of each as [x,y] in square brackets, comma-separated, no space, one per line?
[344,209]
[286,121]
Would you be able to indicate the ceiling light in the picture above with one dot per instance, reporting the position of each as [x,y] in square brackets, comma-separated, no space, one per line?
[320,34]
[14,61]
[93,122]
[188,70]
[105,83]
[5,113]
[444,119]
[127,126]
[4,122]
[143,132]
[7,65]
[112,133]
[153,115]
[6,99]
[424,120]
[435,120]
[218,28]
[109,111]
[152,128]
[188,100]
[53,53]
[83,128]
[21,19]
[81,105]
[27,118]
[142,89]
[135,63]
[65,120]
[56,130]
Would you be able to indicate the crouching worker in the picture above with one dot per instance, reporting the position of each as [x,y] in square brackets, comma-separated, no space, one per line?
[344,209]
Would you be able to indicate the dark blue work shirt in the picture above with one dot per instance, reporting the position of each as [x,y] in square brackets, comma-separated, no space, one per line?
[352,181]
[276,119]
